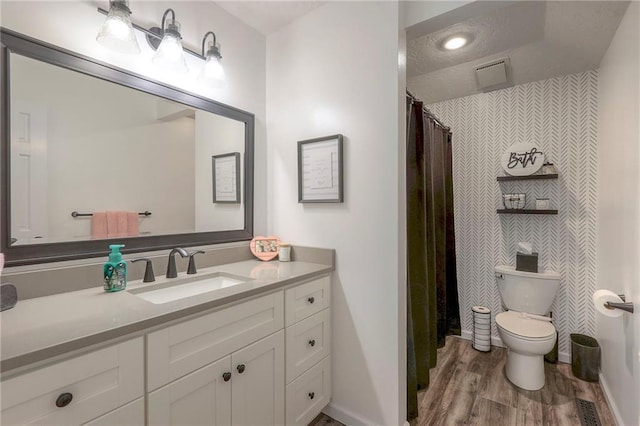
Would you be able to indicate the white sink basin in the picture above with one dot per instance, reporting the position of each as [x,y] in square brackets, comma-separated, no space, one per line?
[180,288]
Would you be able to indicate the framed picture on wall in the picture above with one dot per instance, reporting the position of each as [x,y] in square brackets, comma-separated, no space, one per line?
[320,170]
[226,177]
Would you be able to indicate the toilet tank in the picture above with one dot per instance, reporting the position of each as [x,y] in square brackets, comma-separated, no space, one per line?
[527,291]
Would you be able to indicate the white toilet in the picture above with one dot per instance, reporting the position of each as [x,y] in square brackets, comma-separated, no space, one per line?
[528,339]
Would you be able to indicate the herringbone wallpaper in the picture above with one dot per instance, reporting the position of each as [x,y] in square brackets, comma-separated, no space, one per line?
[561,115]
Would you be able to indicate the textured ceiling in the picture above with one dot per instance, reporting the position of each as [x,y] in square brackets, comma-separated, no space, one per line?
[542,40]
[268,16]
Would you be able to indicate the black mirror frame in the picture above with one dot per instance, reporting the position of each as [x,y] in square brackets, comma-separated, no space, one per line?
[13,42]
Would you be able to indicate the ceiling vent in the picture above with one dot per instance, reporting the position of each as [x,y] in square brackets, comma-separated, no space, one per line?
[493,75]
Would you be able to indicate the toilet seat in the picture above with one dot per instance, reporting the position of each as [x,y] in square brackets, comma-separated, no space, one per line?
[520,326]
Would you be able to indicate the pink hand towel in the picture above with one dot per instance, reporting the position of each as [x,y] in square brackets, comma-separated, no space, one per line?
[116,224]
[99,225]
[132,224]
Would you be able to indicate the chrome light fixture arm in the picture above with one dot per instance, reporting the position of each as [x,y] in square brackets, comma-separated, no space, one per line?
[214,50]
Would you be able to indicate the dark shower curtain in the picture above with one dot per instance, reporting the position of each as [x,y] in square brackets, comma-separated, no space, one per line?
[432,288]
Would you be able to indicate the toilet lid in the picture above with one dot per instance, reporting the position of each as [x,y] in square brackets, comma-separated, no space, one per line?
[514,322]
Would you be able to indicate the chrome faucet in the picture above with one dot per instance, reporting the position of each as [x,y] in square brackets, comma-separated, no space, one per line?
[171,265]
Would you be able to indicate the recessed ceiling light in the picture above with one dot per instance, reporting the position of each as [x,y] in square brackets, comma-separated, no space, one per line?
[455,43]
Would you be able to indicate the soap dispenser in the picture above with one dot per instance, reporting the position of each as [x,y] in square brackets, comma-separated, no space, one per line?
[115,270]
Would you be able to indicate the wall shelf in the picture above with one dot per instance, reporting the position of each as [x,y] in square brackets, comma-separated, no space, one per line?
[527,211]
[531,177]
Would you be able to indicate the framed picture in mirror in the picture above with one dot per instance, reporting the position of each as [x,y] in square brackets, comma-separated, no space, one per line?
[226,178]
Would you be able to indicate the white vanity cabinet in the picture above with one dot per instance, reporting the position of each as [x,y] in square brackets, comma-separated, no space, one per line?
[308,343]
[263,360]
[78,390]
[229,367]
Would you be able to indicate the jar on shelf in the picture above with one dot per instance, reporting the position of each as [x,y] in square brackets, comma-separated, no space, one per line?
[549,169]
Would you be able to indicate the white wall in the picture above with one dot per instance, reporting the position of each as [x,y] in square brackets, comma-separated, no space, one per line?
[74,25]
[216,135]
[335,70]
[619,215]
[561,115]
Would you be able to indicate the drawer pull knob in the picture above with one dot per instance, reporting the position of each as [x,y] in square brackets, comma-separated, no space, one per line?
[312,395]
[240,368]
[226,376]
[64,399]
[311,299]
[312,343]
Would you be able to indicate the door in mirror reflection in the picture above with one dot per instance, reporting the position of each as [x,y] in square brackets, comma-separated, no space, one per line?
[83,144]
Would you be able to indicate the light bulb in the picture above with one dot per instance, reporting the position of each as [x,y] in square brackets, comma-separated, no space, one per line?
[212,72]
[170,55]
[455,43]
[117,32]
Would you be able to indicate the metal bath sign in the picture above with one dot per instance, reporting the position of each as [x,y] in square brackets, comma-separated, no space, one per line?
[522,159]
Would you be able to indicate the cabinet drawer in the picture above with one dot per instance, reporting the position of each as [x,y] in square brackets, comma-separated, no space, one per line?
[307,299]
[309,394]
[308,341]
[182,348]
[98,382]
[131,414]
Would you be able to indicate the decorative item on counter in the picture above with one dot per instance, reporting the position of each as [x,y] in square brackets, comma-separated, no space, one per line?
[526,258]
[542,204]
[514,201]
[284,254]
[523,159]
[115,270]
[549,169]
[265,248]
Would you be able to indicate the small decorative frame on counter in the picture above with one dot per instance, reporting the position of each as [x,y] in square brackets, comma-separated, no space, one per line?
[320,170]
[265,248]
[226,177]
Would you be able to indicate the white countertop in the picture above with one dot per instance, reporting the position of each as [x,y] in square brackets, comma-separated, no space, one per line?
[43,327]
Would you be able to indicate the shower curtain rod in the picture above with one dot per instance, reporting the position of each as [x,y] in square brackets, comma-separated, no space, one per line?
[426,110]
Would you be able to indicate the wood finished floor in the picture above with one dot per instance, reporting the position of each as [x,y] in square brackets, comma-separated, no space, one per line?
[470,387]
[324,420]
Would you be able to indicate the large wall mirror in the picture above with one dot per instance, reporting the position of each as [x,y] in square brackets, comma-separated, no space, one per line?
[92,155]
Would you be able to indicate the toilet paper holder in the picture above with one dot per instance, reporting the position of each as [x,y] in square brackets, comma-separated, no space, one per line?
[626,306]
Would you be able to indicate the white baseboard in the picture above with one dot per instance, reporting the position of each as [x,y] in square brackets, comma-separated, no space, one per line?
[496,341]
[607,396]
[344,416]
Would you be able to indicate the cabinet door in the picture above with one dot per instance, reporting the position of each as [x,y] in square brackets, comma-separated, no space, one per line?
[258,383]
[200,398]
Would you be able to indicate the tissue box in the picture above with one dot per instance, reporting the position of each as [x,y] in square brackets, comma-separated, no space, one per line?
[527,262]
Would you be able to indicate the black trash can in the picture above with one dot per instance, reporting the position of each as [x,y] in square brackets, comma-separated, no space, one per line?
[585,357]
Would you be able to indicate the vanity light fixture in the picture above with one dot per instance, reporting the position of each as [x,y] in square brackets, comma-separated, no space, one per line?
[169,54]
[212,73]
[117,32]
[455,42]
[166,41]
